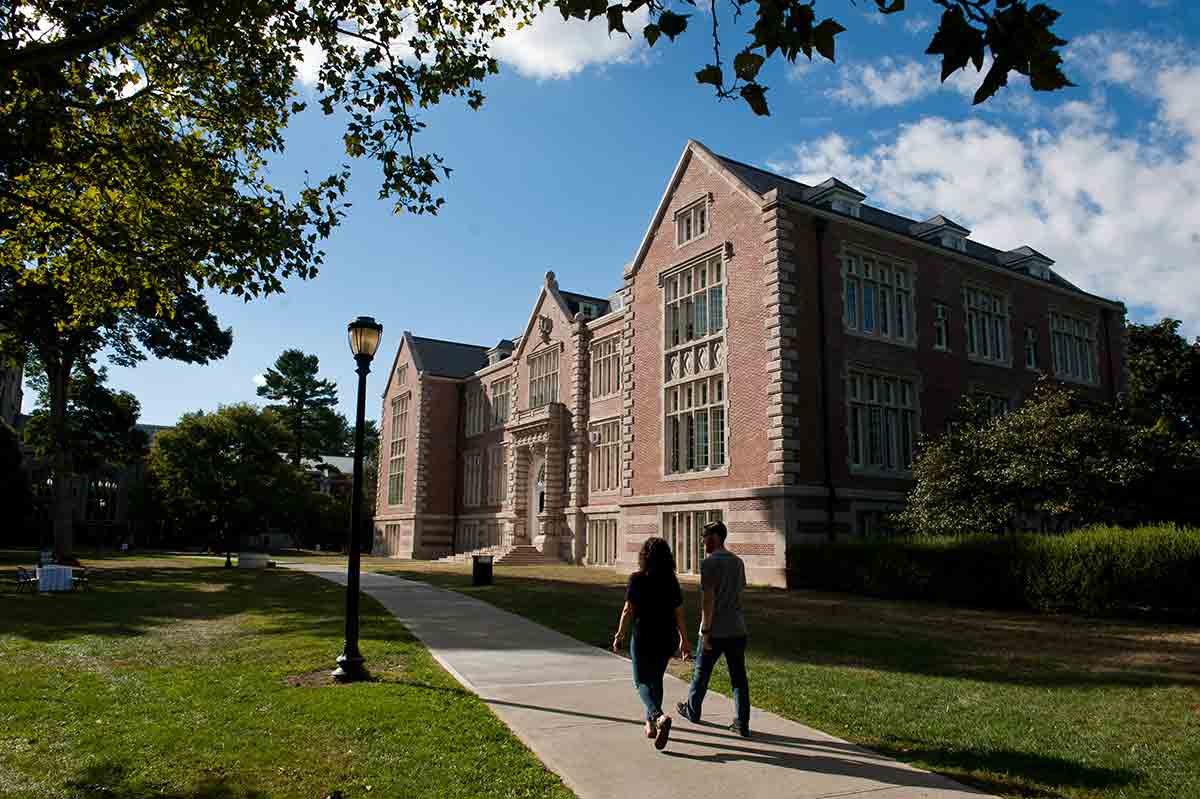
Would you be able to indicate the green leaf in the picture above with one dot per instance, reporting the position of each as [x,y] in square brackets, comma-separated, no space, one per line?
[823,36]
[672,24]
[957,42]
[616,19]
[996,77]
[886,7]
[754,95]
[746,65]
[651,32]
[711,74]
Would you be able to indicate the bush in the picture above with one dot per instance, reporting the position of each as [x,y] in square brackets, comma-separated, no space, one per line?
[1095,570]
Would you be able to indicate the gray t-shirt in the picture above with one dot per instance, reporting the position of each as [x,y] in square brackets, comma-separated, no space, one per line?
[725,573]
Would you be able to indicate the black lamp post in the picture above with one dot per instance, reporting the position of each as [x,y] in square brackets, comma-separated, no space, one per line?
[365,334]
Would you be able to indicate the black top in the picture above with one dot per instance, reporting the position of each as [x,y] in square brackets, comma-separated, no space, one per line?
[654,600]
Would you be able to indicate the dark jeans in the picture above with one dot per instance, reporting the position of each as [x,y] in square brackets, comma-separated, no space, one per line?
[649,665]
[734,650]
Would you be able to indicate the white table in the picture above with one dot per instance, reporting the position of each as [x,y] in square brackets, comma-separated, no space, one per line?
[54,578]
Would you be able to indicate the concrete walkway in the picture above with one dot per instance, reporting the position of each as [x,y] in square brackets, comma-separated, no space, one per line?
[574,705]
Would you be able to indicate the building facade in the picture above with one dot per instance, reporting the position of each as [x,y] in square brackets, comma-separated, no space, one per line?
[772,357]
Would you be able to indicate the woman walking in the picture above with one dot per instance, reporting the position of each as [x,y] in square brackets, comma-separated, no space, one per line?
[654,609]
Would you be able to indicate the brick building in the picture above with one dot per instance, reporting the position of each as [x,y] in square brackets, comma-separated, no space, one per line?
[774,353]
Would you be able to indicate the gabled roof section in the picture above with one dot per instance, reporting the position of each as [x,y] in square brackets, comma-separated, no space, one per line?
[760,180]
[405,344]
[449,358]
[827,187]
[549,289]
[742,177]
[936,224]
[1022,254]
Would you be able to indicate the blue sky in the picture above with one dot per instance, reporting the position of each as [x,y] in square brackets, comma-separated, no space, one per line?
[566,161]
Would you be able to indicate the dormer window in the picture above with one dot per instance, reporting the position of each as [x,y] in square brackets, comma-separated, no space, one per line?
[691,222]
[845,206]
[954,242]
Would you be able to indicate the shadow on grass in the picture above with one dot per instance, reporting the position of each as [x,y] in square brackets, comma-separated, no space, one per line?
[113,781]
[807,628]
[1024,774]
[133,601]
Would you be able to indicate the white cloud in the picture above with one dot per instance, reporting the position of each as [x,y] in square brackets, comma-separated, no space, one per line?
[893,81]
[552,48]
[917,25]
[1119,212]
[548,49]
[260,380]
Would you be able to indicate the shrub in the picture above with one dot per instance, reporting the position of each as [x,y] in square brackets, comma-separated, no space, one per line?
[1095,570]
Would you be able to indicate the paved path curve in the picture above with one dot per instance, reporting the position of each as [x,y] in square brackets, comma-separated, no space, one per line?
[575,707]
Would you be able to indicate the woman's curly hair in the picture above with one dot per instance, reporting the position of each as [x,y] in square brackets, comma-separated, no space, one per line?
[655,557]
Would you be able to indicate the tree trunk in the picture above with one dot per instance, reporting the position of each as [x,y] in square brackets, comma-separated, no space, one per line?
[59,379]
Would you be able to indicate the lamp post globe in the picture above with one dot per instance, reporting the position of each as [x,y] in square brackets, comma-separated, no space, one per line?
[364,335]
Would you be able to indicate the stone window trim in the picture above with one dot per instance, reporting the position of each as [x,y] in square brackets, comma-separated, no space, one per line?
[710,510]
[472,478]
[1005,298]
[941,324]
[556,348]
[1030,356]
[1093,356]
[603,542]
[474,410]
[402,375]
[496,465]
[1000,401]
[718,339]
[606,366]
[398,447]
[498,413]
[596,426]
[870,369]
[699,213]
[910,319]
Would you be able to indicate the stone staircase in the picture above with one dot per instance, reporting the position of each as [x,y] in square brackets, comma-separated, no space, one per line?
[507,555]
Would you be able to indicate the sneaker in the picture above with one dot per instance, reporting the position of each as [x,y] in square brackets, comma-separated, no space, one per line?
[664,732]
[740,730]
[682,708]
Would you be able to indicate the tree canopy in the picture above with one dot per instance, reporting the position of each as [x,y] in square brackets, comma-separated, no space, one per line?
[305,406]
[137,134]
[101,424]
[1163,371]
[1057,458]
[222,472]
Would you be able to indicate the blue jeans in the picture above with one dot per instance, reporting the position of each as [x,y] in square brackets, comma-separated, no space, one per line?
[734,650]
[649,665]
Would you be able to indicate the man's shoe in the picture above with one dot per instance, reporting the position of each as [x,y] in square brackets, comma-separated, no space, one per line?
[742,731]
[682,708]
[663,723]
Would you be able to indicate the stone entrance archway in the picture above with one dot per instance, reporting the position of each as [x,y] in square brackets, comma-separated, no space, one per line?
[538,488]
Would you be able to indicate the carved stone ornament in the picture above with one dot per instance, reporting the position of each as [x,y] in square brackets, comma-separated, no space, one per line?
[545,325]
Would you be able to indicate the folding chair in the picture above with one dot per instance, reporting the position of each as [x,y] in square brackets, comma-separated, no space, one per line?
[26,580]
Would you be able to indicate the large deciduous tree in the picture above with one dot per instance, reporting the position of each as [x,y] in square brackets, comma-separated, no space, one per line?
[1057,458]
[136,134]
[220,475]
[37,326]
[1163,370]
[304,403]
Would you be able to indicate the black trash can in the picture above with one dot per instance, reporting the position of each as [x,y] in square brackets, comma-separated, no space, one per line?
[481,570]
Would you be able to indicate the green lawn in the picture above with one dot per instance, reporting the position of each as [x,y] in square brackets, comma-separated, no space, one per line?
[1015,704]
[177,678]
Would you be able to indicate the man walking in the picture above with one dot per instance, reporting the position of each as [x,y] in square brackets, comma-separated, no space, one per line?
[722,629]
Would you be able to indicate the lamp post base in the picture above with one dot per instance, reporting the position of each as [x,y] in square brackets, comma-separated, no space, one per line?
[350,668]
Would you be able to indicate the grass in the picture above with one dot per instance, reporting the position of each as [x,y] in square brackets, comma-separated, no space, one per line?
[1016,704]
[177,678]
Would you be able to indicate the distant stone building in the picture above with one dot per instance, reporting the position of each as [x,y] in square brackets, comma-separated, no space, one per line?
[772,357]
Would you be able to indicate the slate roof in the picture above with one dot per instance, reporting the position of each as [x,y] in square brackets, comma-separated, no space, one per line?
[450,358]
[763,181]
[937,223]
[573,300]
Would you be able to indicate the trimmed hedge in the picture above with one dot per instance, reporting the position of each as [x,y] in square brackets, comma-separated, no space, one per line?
[1094,570]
